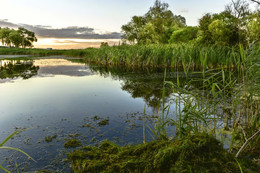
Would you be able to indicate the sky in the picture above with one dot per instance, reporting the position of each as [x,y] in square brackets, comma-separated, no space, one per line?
[86,23]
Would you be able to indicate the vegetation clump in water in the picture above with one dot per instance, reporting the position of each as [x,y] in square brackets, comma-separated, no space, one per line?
[199,153]
[50,138]
[72,143]
[103,122]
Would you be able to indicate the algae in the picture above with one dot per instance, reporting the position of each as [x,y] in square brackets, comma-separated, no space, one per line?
[50,138]
[103,122]
[72,143]
[194,153]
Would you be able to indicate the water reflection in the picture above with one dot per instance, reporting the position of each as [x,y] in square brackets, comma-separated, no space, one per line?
[142,83]
[10,69]
[66,97]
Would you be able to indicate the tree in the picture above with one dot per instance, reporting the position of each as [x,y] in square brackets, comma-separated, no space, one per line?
[4,35]
[256,1]
[15,38]
[148,35]
[104,44]
[238,8]
[21,37]
[184,35]
[220,32]
[204,35]
[236,34]
[132,29]
[253,27]
[157,20]
[28,37]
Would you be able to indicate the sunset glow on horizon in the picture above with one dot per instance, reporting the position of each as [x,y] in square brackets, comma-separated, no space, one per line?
[56,43]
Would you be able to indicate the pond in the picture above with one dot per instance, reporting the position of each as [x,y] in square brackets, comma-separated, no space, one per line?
[61,99]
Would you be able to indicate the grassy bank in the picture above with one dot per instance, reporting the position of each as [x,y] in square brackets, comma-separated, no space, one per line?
[35,52]
[183,56]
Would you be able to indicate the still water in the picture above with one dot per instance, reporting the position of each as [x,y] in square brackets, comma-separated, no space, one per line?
[63,99]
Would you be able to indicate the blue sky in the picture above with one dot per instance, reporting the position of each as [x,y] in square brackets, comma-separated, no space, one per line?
[85,23]
[103,15]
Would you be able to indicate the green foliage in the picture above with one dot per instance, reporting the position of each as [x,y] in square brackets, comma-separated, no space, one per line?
[235,25]
[72,143]
[104,44]
[204,35]
[253,27]
[152,55]
[193,153]
[220,32]
[153,27]
[18,38]
[17,69]
[184,35]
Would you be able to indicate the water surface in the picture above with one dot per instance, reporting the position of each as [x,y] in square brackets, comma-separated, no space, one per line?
[70,99]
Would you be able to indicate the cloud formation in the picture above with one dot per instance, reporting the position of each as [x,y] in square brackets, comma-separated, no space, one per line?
[73,32]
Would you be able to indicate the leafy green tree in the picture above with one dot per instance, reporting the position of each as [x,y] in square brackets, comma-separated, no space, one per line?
[235,35]
[28,37]
[157,21]
[148,35]
[240,11]
[184,35]
[132,29]
[104,44]
[4,35]
[204,35]
[15,38]
[21,37]
[220,32]
[253,27]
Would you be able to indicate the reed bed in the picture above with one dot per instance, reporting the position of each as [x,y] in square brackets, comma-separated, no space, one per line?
[178,56]
[182,56]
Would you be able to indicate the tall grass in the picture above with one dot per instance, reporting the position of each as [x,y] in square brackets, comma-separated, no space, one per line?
[232,96]
[182,56]
[186,56]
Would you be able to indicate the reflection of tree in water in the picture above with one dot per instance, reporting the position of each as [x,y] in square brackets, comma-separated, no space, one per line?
[17,68]
[140,82]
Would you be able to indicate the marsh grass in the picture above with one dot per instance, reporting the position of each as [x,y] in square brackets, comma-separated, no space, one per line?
[226,95]
[181,56]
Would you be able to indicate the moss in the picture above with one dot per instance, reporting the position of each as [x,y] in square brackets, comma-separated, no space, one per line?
[103,122]
[72,143]
[195,153]
[50,138]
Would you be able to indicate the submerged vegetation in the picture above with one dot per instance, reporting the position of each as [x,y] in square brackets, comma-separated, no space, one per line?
[193,153]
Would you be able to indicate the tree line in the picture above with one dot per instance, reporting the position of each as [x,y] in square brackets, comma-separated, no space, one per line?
[17,38]
[237,24]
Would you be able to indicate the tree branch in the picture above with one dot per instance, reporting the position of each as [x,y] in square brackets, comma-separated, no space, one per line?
[256,1]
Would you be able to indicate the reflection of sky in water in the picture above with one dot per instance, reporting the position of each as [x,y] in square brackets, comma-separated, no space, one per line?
[61,98]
